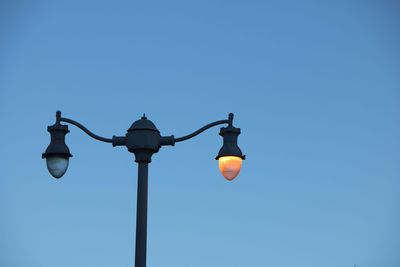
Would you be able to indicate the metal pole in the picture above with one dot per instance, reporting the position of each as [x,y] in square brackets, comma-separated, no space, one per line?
[141,215]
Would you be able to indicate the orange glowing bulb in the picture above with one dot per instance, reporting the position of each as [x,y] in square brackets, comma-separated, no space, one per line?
[230,166]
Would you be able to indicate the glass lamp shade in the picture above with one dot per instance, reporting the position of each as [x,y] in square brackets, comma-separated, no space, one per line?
[57,166]
[230,166]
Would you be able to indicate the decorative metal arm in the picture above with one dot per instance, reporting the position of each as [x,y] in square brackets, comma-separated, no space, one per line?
[183,138]
[83,128]
[122,140]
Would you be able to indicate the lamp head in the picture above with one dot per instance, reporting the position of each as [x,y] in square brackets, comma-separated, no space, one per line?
[230,156]
[57,153]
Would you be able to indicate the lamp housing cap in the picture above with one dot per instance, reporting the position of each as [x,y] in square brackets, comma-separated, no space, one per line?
[57,147]
[230,147]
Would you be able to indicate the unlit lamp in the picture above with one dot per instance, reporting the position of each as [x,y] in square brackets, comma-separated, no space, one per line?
[57,166]
[57,153]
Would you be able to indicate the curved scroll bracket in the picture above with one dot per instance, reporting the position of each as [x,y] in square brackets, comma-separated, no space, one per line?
[83,128]
[186,137]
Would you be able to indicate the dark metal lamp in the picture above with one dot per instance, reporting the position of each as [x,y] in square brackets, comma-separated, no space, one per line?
[57,153]
[143,139]
[230,156]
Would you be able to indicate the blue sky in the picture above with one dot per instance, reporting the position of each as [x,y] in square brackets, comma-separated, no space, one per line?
[314,87]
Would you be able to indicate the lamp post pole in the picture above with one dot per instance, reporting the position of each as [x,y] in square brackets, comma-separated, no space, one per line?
[141,215]
[142,139]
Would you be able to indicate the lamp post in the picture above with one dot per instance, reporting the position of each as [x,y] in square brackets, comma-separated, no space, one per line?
[143,139]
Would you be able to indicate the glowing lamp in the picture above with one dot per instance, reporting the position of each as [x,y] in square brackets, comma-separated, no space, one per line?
[57,153]
[230,166]
[230,156]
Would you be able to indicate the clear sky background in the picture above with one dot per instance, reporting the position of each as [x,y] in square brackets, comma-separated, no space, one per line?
[315,88]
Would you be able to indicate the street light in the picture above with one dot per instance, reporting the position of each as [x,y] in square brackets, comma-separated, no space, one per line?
[57,153]
[143,139]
